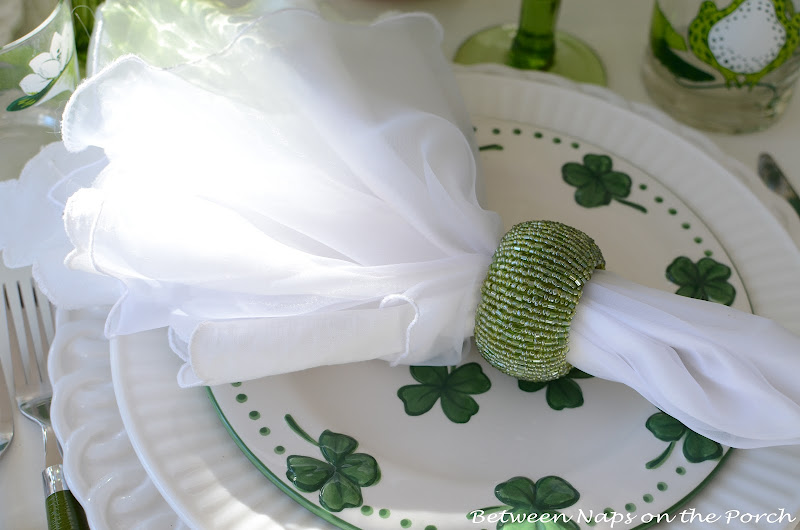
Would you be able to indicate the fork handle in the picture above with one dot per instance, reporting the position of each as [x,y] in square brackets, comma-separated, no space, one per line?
[63,511]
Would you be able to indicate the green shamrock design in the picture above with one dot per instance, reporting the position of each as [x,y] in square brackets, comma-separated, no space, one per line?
[453,385]
[696,448]
[340,477]
[532,505]
[705,280]
[562,393]
[597,183]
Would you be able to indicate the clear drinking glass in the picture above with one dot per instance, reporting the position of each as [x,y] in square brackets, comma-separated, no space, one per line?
[724,66]
[534,44]
[38,73]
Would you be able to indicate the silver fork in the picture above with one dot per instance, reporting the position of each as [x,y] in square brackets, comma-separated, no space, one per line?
[6,414]
[33,393]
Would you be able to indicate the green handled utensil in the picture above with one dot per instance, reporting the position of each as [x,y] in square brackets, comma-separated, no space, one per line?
[63,511]
[34,394]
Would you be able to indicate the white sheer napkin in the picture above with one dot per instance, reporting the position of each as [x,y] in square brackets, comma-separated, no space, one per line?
[302,192]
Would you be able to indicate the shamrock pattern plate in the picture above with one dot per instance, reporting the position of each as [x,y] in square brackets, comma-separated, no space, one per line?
[371,446]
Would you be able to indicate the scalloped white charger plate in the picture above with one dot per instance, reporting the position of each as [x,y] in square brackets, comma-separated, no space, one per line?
[210,485]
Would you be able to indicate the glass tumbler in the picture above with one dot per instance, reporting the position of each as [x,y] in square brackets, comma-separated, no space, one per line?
[724,66]
[38,73]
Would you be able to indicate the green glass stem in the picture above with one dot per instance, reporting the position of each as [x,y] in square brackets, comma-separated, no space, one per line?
[83,14]
[534,45]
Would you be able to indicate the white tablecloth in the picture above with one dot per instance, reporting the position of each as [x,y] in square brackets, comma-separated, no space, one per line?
[616,29]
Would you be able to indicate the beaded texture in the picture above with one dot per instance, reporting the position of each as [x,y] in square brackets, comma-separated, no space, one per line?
[529,297]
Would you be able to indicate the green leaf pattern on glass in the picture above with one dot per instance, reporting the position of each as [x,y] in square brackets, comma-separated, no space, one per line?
[663,40]
[29,101]
[452,386]
[562,393]
[696,448]
[705,280]
[522,498]
[597,183]
[45,70]
[339,477]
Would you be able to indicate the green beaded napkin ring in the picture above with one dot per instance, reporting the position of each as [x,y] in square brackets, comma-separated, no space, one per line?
[529,297]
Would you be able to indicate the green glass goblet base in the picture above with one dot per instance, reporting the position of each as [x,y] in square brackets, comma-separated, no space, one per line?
[573,58]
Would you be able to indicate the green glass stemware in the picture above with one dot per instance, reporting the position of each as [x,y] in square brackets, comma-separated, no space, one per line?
[83,15]
[534,44]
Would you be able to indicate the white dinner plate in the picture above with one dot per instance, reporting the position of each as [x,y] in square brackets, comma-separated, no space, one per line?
[467,431]
[695,208]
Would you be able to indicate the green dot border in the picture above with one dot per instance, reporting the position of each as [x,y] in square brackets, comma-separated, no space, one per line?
[630,507]
[557,140]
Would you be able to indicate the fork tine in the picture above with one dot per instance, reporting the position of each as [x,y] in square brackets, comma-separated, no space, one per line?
[34,375]
[16,355]
[40,321]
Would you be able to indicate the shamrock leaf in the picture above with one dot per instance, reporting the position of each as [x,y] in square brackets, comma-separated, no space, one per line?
[696,448]
[705,280]
[518,492]
[665,427]
[339,477]
[597,183]
[562,393]
[339,493]
[308,474]
[522,498]
[452,386]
